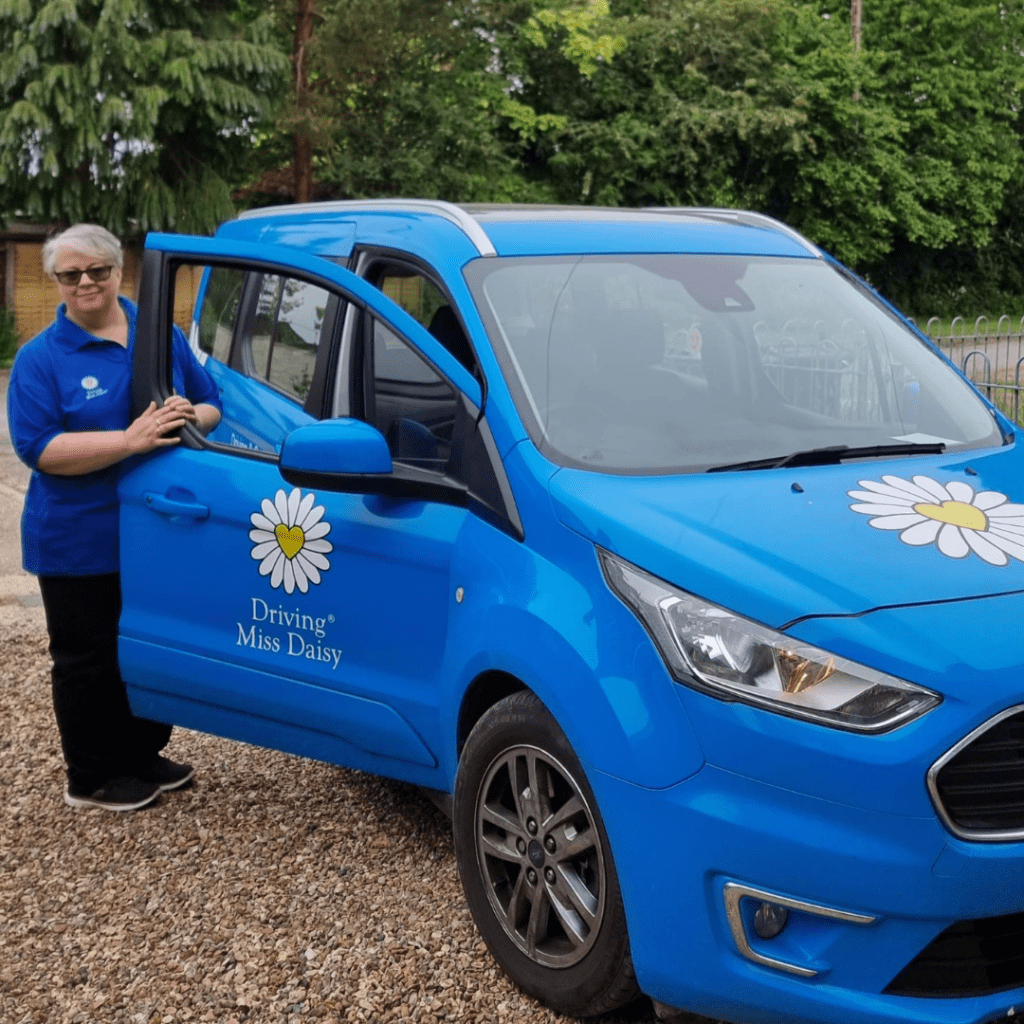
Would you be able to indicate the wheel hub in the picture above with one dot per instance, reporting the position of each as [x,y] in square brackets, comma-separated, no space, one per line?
[540,854]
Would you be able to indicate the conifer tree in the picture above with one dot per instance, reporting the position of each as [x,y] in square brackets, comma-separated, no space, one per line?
[135,114]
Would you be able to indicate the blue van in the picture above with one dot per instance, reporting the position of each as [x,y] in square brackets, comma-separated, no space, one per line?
[656,544]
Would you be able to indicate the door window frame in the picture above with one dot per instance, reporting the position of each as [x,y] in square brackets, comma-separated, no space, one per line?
[151,365]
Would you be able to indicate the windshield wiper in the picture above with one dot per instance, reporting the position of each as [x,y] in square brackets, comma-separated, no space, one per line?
[832,455]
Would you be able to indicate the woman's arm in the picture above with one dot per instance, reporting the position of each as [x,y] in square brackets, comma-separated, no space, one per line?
[77,452]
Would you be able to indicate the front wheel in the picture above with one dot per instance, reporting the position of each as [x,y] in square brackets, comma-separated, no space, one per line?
[536,865]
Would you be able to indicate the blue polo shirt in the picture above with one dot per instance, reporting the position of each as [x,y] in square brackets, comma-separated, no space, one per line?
[67,380]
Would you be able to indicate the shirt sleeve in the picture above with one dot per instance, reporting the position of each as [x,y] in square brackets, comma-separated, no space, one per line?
[34,412]
[191,378]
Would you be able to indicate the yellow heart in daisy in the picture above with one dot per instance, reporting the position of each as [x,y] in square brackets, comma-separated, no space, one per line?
[291,541]
[957,513]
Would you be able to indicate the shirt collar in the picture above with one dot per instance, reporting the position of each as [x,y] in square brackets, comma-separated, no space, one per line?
[70,334]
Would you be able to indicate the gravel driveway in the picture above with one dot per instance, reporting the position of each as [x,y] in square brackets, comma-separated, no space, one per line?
[274,889]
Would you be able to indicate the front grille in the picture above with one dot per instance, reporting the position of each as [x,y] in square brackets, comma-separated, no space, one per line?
[978,786]
[970,958]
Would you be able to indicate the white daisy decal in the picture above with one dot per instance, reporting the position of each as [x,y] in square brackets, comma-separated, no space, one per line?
[288,540]
[952,516]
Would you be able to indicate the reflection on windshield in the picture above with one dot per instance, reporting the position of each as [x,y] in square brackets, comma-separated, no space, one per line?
[654,364]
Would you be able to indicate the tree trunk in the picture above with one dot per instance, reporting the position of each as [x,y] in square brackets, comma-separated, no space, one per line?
[303,147]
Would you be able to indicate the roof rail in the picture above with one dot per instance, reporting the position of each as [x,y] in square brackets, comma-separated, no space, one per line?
[438,207]
[748,217]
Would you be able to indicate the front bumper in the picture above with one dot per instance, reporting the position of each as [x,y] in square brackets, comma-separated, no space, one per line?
[888,885]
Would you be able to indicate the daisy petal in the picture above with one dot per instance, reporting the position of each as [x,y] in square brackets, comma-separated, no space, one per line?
[952,543]
[1012,546]
[278,574]
[314,517]
[323,546]
[262,536]
[262,550]
[922,533]
[262,522]
[959,491]
[270,512]
[883,510]
[985,549]
[281,504]
[304,506]
[270,561]
[933,487]
[1007,528]
[289,576]
[986,500]
[315,559]
[890,489]
[879,497]
[895,522]
[317,531]
[293,505]
[906,487]
[311,571]
[1010,510]
[300,577]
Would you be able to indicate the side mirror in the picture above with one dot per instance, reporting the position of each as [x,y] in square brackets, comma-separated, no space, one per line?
[347,447]
[351,457]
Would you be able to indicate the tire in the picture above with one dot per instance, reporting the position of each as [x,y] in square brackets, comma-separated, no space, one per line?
[536,865]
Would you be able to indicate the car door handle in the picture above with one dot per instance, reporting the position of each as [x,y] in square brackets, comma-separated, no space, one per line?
[169,507]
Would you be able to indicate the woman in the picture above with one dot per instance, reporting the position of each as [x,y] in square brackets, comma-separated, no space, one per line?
[69,401]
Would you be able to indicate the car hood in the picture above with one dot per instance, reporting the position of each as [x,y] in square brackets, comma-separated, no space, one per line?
[783,544]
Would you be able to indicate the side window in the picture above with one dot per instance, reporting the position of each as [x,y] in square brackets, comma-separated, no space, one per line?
[269,336]
[425,302]
[409,403]
[286,332]
[220,309]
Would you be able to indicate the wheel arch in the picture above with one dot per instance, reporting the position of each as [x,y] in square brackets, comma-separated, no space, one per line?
[629,723]
[481,695]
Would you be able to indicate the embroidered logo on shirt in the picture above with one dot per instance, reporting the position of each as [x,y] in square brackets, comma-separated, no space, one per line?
[92,387]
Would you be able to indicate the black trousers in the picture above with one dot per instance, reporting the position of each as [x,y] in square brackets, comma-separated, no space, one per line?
[99,735]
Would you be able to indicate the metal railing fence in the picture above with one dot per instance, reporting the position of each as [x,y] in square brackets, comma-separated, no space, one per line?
[993,359]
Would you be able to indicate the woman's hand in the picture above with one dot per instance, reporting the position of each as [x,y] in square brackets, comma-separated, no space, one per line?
[183,407]
[148,431]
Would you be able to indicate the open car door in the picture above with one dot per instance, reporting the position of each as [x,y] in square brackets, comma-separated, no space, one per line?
[299,596]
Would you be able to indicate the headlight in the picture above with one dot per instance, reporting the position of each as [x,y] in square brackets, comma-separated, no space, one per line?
[728,656]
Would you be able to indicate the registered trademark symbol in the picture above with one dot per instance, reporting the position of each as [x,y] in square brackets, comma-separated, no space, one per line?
[330,618]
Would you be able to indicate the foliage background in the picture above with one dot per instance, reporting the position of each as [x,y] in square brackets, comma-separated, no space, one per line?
[903,158]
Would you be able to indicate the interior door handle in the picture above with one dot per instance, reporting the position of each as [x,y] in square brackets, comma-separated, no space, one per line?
[169,507]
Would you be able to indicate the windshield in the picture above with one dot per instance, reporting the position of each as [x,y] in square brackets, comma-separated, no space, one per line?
[682,363]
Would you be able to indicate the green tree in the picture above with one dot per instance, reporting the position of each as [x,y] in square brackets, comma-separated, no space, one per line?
[129,112]
[402,100]
[680,113]
[915,137]
[908,145]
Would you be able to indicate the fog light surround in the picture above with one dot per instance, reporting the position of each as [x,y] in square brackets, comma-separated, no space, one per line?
[733,893]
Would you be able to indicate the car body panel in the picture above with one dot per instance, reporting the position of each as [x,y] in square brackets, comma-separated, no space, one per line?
[757,545]
[430,606]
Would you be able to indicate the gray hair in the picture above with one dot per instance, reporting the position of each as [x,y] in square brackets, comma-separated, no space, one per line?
[86,238]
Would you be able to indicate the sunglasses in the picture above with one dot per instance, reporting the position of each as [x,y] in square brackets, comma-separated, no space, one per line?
[72,277]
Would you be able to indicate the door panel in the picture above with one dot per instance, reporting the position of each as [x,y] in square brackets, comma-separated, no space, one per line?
[305,619]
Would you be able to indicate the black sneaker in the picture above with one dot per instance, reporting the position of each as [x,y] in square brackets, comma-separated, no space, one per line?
[124,793]
[166,774]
